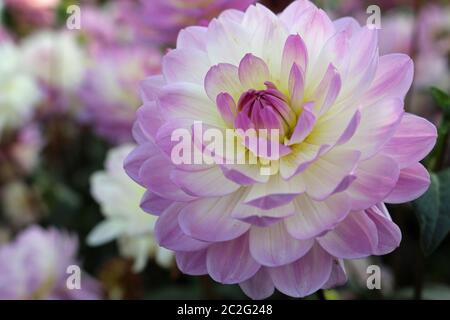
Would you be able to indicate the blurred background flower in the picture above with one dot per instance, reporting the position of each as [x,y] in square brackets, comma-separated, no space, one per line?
[160,20]
[110,92]
[34,266]
[125,221]
[19,91]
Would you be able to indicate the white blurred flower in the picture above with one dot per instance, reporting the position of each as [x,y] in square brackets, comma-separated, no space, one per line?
[19,93]
[56,58]
[125,221]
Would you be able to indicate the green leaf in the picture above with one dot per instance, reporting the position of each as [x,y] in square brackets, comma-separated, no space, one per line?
[441,98]
[433,212]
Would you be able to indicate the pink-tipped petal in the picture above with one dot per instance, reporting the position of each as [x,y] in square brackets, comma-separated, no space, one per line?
[326,175]
[346,24]
[170,236]
[230,262]
[155,173]
[192,38]
[253,72]
[313,218]
[412,183]
[305,276]
[337,128]
[389,234]
[151,87]
[260,286]
[188,101]
[315,28]
[227,108]
[301,157]
[355,237]
[204,183]
[305,124]
[149,119]
[293,12]
[219,35]
[223,78]
[413,140]
[136,159]
[327,91]
[362,64]
[185,65]
[138,134]
[275,193]
[378,124]
[244,174]
[210,219]
[294,52]
[296,88]
[192,263]
[375,179]
[260,217]
[273,246]
[393,78]
[154,204]
[172,133]
[338,275]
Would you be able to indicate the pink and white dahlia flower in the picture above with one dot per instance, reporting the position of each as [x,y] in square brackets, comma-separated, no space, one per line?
[346,147]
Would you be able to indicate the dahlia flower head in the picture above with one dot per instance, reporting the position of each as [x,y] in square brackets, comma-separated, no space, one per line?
[346,147]
[125,221]
[110,90]
[161,20]
[35,264]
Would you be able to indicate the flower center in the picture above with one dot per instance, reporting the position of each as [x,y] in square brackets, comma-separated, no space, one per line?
[265,109]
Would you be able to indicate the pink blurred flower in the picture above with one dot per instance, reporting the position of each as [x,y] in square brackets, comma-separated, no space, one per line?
[35,12]
[434,28]
[102,28]
[427,37]
[161,20]
[346,148]
[34,266]
[110,90]
[396,33]
[25,150]
[433,47]
[357,6]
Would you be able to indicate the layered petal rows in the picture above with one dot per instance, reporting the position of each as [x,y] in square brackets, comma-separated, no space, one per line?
[345,147]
